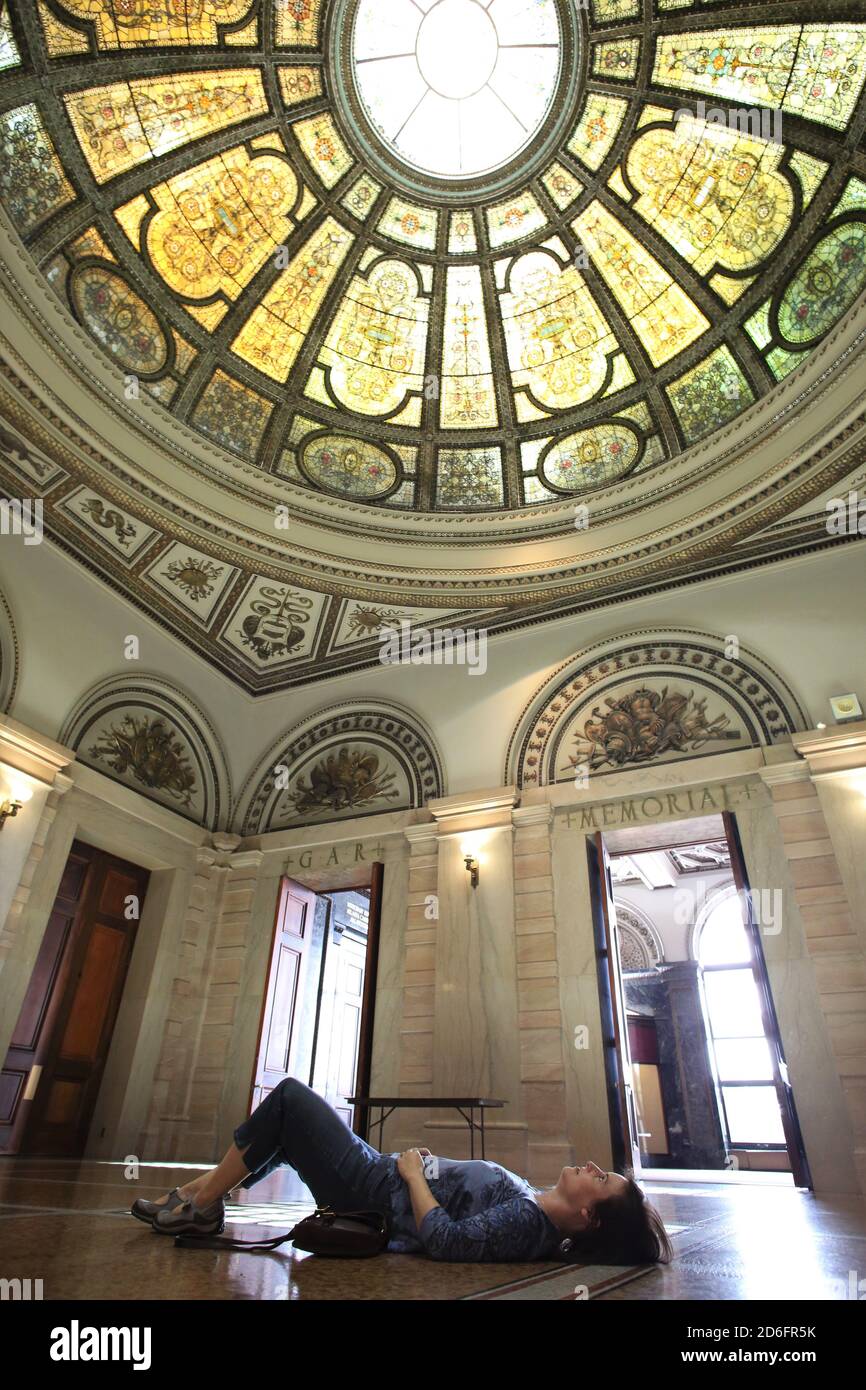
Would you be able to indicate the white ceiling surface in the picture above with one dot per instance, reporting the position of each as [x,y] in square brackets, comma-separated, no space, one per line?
[664,908]
[804,617]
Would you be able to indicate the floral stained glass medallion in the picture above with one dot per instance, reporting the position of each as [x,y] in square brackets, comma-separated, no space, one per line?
[591,457]
[119,320]
[350,466]
[825,285]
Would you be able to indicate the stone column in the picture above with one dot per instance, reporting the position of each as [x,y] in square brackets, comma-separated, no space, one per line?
[419,972]
[836,760]
[476,1037]
[221,1079]
[683,1049]
[542,1031]
[832,915]
[169,1132]
[402,1002]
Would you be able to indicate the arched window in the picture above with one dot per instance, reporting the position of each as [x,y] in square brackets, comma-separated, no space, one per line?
[738,1044]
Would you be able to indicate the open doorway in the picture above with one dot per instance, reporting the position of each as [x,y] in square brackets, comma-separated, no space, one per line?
[317,1016]
[697,1080]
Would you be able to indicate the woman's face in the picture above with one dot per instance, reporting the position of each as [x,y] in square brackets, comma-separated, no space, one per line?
[586,1184]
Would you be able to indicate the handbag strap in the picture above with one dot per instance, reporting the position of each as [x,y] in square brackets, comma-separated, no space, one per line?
[226,1243]
[190,1242]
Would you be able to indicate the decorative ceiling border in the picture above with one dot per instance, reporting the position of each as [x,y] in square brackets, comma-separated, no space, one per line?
[696,563]
[838,456]
[10,657]
[732,444]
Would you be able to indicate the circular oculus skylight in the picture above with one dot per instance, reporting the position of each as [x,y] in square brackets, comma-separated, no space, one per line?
[456,88]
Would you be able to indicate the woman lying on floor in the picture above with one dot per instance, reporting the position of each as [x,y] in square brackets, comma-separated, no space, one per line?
[470,1211]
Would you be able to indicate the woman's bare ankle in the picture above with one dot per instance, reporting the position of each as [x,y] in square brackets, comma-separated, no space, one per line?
[189,1189]
[206,1195]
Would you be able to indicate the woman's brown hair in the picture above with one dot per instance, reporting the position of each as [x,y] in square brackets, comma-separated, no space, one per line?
[625,1230]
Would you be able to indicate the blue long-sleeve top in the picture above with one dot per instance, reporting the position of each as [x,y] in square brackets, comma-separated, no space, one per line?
[485,1213]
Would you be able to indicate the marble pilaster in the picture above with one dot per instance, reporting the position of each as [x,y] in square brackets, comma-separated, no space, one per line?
[476,1035]
[827,829]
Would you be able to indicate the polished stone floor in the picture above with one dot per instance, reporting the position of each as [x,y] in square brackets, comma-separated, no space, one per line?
[68,1224]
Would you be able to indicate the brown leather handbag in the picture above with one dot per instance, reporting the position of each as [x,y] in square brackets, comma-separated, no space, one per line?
[348,1235]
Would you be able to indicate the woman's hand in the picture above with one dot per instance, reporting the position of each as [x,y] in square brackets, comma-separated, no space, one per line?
[411,1164]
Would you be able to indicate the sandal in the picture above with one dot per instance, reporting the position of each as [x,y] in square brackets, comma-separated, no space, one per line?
[187,1219]
[146,1211]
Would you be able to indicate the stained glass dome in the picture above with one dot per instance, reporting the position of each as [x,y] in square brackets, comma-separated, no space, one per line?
[376,291]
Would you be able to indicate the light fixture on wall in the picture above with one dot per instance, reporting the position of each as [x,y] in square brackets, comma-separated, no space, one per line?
[472,868]
[12,801]
[472,848]
[8,809]
[845,708]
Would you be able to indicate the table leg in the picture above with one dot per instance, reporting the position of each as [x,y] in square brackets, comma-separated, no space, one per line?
[483,1151]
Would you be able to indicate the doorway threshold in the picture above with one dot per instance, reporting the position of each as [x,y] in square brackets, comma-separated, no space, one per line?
[749,1177]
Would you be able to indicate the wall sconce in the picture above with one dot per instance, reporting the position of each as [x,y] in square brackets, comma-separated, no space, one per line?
[472,868]
[8,809]
[12,800]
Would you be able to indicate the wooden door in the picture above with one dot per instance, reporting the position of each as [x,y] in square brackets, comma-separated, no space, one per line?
[336,1061]
[54,1066]
[287,979]
[368,1006]
[781,1081]
[625,1140]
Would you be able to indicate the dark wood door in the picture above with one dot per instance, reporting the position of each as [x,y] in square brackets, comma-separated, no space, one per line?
[54,1066]
[368,1003]
[279,1034]
[625,1141]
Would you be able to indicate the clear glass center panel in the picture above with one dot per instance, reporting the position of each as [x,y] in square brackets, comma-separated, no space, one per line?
[456,87]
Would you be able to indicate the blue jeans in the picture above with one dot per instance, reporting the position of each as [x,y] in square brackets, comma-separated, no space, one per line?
[295,1126]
